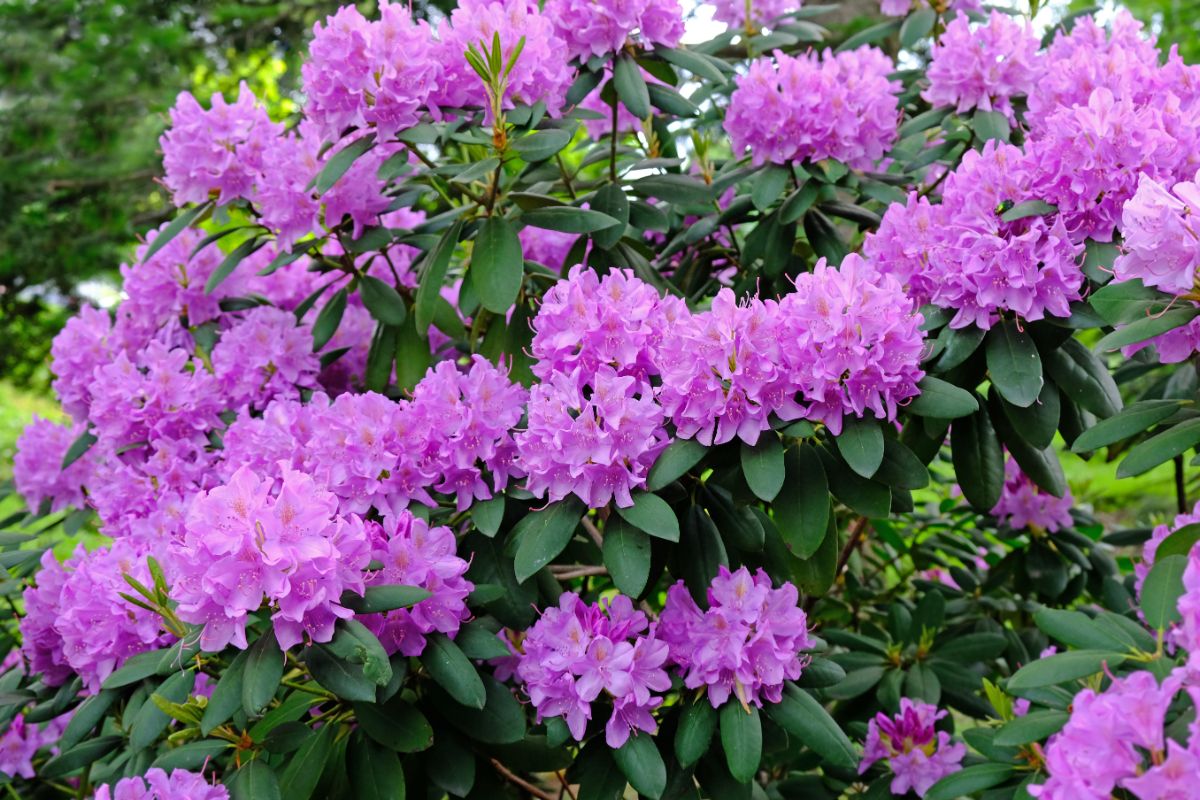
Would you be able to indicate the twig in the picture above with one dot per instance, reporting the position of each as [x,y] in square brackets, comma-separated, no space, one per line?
[857,529]
[1180,486]
[593,532]
[517,780]
[577,572]
[566,787]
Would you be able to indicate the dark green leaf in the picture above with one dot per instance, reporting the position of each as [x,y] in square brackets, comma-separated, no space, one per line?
[867,497]
[1014,364]
[542,535]
[341,161]
[651,514]
[1159,448]
[254,781]
[191,756]
[135,668]
[1126,423]
[699,64]
[917,26]
[1123,302]
[1062,668]
[990,125]
[433,276]
[1028,208]
[1179,543]
[670,101]
[1148,328]
[1162,590]
[229,264]
[697,724]
[340,676]
[627,556]
[763,466]
[397,725]
[375,771]
[79,756]
[263,671]
[802,510]
[78,447]
[969,780]
[972,647]
[901,469]
[384,302]
[1033,727]
[501,721]
[568,219]
[861,444]
[806,719]
[541,145]
[643,765]
[303,769]
[497,265]
[631,86]
[488,515]
[453,671]
[816,574]
[942,400]
[875,33]
[1076,629]
[741,739]
[978,460]
[86,717]
[610,199]
[679,456]
[181,221]
[329,319]
[150,720]
[479,642]
[384,598]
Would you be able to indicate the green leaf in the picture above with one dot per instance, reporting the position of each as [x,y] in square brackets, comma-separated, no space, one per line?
[542,535]
[816,574]
[978,460]
[1162,590]
[541,145]
[1076,629]
[916,27]
[303,769]
[230,263]
[1028,208]
[1123,302]
[990,125]
[697,724]
[502,721]
[355,643]
[78,448]
[135,668]
[699,64]
[806,719]
[627,556]
[969,780]
[1148,328]
[340,676]
[1014,364]
[651,514]
[378,599]
[375,771]
[1159,448]
[942,400]
[741,739]
[1179,543]
[497,265]
[631,86]
[1038,423]
[1126,423]
[191,756]
[867,497]
[79,756]
[679,456]
[875,33]
[86,717]
[341,161]
[610,199]
[763,466]
[150,720]
[642,765]
[901,469]
[453,671]
[478,641]
[1062,668]
[397,726]
[433,276]
[254,781]
[861,444]
[972,647]
[384,302]
[181,221]
[670,101]
[768,184]
[802,509]
[488,515]
[1084,378]
[263,672]
[568,219]
[329,319]
[1033,727]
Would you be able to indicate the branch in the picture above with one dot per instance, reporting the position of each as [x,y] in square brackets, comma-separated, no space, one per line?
[566,573]
[517,780]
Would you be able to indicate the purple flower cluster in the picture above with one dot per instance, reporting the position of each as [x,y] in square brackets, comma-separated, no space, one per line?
[76,621]
[1024,505]
[596,29]
[576,652]
[376,74]
[812,107]
[900,8]
[263,356]
[37,466]
[917,754]
[20,743]
[746,643]
[1161,244]
[1105,743]
[959,254]
[1157,537]
[984,67]
[157,784]
[250,542]
[760,13]
[415,554]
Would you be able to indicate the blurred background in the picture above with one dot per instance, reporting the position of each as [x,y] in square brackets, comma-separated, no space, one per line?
[84,91]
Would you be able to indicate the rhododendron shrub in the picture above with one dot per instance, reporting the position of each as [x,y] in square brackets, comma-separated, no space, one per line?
[552,409]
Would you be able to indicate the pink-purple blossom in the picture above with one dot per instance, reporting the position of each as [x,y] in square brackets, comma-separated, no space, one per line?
[596,29]
[753,15]
[812,107]
[37,466]
[1023,504]
[264,355]
[917,754]
[1161,244]
[179,784]
[576,652]
[745,644]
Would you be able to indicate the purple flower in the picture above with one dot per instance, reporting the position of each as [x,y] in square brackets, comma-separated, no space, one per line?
[83,344]
[983,68]
[546,247]
[1161,237]
[575,653]
[900,8]
[360,73]
[917,754]
[1024,505]
[158,785]
[540,72]
[597,444]
[251,542]
[415,554]
[215,152]
[599,28]
[265,355]
[1157,537]
[37,466]
[810,107]
[761,13]
[854,342]
[20,743]
[1174,778]
[747,642]
[41,644]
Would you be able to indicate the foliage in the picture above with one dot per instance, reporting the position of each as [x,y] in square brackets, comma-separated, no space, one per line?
[497,428]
